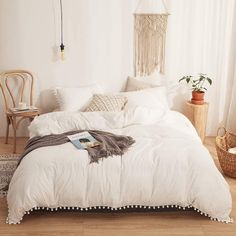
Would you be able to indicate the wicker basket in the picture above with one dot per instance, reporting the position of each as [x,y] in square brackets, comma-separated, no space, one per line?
[227,160]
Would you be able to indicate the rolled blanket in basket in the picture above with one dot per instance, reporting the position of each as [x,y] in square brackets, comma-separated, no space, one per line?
[232,150]
[110,144]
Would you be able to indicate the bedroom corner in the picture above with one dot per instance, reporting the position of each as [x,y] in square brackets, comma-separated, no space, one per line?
[118,117]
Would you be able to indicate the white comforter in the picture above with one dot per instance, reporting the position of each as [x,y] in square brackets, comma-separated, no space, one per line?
[168,165]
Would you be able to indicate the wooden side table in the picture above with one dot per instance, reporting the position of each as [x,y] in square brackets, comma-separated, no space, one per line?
[197,114]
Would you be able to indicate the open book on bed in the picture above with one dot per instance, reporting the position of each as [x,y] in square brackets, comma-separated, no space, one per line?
[83,140]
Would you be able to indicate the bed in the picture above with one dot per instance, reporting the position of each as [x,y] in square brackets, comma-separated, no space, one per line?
[167,166]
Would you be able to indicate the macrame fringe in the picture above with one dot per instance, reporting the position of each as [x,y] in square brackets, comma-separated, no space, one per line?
[149,40]
[120,208]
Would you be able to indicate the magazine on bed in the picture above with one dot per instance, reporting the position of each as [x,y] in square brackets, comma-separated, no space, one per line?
[83,140]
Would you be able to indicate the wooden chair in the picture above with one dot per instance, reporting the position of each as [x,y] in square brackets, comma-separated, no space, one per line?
[22,90]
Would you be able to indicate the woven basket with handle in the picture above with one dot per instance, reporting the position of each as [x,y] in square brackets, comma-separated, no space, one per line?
[227,160]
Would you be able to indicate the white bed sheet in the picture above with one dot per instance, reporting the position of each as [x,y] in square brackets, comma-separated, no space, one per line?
[168,165]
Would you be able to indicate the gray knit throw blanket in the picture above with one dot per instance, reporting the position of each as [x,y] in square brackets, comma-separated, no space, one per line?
[111,144]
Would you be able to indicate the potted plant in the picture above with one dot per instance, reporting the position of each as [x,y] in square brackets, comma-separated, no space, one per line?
[197,86]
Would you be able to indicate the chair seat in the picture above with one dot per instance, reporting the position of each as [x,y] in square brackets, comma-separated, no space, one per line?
[23,114]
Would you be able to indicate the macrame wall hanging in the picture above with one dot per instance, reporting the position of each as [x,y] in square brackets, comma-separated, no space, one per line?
[150,26]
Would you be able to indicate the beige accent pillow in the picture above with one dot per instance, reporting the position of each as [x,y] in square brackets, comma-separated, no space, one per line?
[134,84]
[102,102]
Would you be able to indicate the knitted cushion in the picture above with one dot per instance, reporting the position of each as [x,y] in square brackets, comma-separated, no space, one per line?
[107,103]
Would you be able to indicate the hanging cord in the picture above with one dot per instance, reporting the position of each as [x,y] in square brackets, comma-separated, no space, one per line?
[61,21]
[62,46]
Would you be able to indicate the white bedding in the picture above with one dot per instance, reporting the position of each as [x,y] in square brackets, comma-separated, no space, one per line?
[168,165]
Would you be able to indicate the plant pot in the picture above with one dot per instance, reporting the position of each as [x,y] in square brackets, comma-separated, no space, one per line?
[197,98]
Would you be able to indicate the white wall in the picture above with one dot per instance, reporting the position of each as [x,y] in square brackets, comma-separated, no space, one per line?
[98,39]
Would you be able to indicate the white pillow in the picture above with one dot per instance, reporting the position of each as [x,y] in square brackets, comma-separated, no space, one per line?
[154,98]
[139,83]
[75,99]
[142,116]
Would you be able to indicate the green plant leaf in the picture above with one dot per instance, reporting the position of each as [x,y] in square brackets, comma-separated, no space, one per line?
[183,78]
[187,78]
[209,80]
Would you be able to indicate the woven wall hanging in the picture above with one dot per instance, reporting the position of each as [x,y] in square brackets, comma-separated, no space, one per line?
[149,41]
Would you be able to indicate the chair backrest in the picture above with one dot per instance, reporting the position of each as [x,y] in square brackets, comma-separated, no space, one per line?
[16,86]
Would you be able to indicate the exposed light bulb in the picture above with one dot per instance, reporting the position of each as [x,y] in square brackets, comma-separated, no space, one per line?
[62,47]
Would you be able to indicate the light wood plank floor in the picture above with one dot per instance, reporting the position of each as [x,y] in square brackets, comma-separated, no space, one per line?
[139,224]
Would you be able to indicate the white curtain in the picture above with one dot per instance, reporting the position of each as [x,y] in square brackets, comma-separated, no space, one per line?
[231,121]
[200,39]
[231,116]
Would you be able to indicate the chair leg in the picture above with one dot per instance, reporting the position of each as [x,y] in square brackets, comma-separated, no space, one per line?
[14,133]
[7,131]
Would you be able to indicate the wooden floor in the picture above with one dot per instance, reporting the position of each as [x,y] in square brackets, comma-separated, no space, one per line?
[109,224]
